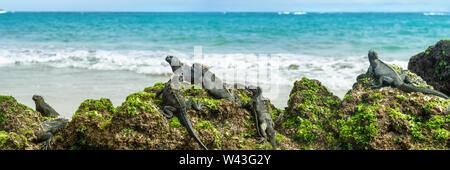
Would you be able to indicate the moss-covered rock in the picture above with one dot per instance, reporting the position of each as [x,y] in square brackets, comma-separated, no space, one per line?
[19,124]
[388,118]
[137,124]
[307,117]
[385,118]
[92,117]
[433,65]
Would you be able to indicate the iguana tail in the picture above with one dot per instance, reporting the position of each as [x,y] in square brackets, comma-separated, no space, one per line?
[409,88]
[186,121]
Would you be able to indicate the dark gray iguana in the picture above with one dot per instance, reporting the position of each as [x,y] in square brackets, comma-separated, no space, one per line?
[50,128]
[264,122]
[386,75]
[199,75]
[179,68]
[175,103]
[42,107]
[214,85]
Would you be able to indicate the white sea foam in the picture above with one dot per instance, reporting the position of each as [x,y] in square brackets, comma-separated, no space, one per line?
[293,13]
[338,74]
[300,13]
[434,13]
[284,13]
[5,61]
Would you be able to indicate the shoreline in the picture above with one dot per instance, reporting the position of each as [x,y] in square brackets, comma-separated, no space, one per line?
[54,84]
[66,88]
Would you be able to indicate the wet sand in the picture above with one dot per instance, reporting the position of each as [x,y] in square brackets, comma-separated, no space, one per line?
[65,88]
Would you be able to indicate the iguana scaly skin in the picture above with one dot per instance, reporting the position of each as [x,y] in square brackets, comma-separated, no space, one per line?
[199,75]
[214,85]
[190,75]
[50,128]
[385,75]
[264,122]
[175,103]
[44,108]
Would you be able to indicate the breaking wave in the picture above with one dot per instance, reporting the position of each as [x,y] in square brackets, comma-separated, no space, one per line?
[300,13]
[434,13]
[292,13]
[337,73]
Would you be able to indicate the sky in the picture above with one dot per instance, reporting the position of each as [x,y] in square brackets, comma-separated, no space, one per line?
[228,5]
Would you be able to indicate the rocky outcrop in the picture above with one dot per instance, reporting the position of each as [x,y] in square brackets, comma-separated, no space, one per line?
[388,118]
[381,119]
[19,124]
[137,124]
[307,117]
[433,65]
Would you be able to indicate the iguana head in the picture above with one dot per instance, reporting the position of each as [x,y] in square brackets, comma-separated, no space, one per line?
[37,98]
[373,55]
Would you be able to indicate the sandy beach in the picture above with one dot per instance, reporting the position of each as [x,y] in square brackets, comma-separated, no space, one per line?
[66,88]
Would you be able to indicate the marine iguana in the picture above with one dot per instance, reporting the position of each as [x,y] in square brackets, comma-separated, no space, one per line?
[50,129]
[386,75]
[264,122]
[175,103]
[215,86]
[42,107]
[199,75]
[188,72]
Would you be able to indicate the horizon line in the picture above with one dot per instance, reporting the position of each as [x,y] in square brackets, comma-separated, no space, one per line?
[232,11]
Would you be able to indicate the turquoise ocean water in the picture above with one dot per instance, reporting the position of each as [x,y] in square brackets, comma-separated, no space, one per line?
[330,47]
[318,34]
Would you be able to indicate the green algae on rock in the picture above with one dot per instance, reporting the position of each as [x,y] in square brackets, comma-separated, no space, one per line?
[433,65]
[19,124]
[137,124]
[106,127]
[306,119]
[389,118]
[366,118]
